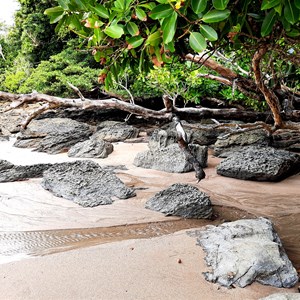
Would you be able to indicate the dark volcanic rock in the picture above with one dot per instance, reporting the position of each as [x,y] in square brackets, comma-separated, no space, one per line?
[245,251]
[85,183]
[115,132]
[92,148]
[287,139]
[164,154]
[181,200]
[237,140]
[53,135]
[10,172]
[260,163]
[170,159]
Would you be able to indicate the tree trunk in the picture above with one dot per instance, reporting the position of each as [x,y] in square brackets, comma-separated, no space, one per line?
[269,95]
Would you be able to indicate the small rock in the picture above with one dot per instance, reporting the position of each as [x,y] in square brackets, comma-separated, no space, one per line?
[282,296]
[54,135]
[116,132]
[181,200]
[260,164]
[238,140]
[85,183]
[10,172]
[245,251]
[92,148]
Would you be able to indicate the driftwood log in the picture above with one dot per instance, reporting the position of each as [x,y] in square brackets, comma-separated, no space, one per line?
[48,102]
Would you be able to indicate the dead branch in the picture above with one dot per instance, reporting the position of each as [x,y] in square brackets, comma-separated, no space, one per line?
[187,113]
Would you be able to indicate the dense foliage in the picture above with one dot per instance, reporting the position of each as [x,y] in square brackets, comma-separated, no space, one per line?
[138,34]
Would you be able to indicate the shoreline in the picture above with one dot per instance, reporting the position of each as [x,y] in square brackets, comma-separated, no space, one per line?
[124,251]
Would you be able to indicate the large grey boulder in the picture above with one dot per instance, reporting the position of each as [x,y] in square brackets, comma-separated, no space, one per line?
[164,154]
[10,172]
[260,163]
[235,141]
[181,200]
[115,132]
[282,296]
[85,183]
[53,135]
[245,251]
[92,148]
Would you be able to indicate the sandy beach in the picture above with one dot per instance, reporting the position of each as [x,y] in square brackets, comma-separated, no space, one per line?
[53,249]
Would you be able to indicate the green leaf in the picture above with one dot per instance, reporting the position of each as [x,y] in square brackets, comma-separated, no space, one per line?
[114,31]
[267,4]
[80,4]
[55,14]
[74,22]
[198,6]
[209,33]
[293,33]
[140,13]
[62,22]
[220,4]
[268,23]
[108,81]
[149,6]
[161,11]
[53,10]
[197,41]
[135,42]
[99,10]
[291,13]
[63,4]
[154,39]
[169,27]
[297,4]
[132,28]
[214,16]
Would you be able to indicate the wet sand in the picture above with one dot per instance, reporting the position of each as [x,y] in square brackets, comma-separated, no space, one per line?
[123,251]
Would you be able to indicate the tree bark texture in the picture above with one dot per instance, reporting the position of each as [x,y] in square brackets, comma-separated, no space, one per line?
[269,95]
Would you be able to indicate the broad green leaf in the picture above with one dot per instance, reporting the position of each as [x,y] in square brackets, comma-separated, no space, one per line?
[63,4]
[161,11]
[267,4]
[120,4]
[99,10]
[99,35]
[154,39]
[149,5]
[268,23]
[134,42]
[291,13]
[278,9]
[74,22]
[114,31]
[198,6]
[209,33]
[214,16]
[197,41]
[169,27]
[80,4]
[220,4]
[55,14]
[62,22]
[297,4]
[132,28]
[53,10]
[170,47]
[140,13]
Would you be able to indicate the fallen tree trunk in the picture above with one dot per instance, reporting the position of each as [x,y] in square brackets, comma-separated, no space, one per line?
[51,102]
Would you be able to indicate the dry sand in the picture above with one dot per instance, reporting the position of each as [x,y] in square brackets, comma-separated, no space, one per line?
[146,268]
